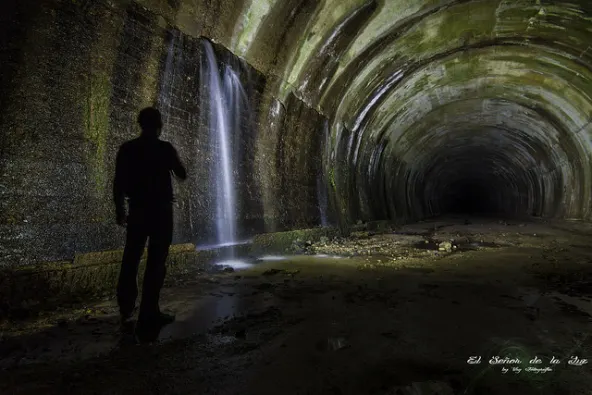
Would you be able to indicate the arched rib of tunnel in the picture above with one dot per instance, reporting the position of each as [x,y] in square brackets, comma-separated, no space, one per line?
[486,128]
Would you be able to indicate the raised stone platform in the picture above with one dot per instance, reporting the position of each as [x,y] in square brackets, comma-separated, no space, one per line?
[86,276]
[46,285]
[282,242]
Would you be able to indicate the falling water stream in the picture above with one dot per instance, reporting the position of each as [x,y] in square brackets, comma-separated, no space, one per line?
[228,102]
[221,91]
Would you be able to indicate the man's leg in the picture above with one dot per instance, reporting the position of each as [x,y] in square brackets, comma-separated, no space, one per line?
[161,234]
[127,286]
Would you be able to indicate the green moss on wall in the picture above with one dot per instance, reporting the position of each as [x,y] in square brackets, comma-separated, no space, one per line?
[332,178]
[97,128]
[150,81]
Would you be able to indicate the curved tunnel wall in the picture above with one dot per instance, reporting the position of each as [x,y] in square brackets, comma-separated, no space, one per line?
[359,109]
[469,91]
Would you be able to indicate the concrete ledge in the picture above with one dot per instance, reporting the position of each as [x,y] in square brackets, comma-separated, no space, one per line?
[117,255]
[87,276]
[280,242]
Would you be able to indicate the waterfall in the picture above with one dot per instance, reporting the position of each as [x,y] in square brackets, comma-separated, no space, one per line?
[237,101]
[224,97]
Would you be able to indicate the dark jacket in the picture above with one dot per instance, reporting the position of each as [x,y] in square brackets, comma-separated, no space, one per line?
[143,173]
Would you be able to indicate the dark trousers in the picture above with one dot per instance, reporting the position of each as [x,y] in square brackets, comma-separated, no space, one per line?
[155,224]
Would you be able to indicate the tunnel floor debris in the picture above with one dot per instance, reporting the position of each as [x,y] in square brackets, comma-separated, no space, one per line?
[377,313]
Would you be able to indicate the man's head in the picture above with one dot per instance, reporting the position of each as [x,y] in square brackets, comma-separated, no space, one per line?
[150,121]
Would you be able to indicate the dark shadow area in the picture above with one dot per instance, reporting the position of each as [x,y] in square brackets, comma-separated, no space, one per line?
[330,329]
[472,197]
[480,181]
[61,338]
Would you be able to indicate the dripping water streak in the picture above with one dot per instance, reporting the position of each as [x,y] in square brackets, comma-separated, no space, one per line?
[166,88]
[173,62]
[322,180]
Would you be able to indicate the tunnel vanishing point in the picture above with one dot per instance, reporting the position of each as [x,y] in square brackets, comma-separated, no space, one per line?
[352,110]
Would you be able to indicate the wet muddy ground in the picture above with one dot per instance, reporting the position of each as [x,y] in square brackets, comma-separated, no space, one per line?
[399,312]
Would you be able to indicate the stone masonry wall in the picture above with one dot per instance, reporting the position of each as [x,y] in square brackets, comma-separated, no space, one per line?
[73,78]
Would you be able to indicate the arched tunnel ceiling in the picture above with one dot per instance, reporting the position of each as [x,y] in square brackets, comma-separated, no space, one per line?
[501,85]
[370,40]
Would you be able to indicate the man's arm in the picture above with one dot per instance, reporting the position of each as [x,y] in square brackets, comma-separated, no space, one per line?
[119,188]
[177,167]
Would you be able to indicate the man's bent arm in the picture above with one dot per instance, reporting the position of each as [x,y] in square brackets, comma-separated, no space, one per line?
[178,167]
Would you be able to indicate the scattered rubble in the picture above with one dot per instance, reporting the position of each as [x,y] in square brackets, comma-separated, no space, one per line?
[445,246]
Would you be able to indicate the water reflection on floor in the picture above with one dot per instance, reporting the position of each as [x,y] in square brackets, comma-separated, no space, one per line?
[231,300]
[366,324]
[226,303]
[207,247]
[246,263]
[202,316]
[236,264]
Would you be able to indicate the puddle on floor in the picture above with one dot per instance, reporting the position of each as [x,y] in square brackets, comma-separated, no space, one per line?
[478,245]
[251,262]
[574,305]
[426,233]
[473,246]
[236,264]
[272,258]
[226,304]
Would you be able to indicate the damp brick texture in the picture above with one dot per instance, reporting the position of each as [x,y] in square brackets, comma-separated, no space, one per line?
[74,76]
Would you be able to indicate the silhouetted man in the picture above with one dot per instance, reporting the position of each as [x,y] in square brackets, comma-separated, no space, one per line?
[143,175]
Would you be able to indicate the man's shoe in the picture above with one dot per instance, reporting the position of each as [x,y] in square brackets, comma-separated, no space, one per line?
[146,334]
[127,316]
[149,327]
[165,319]
[157,320]
[127,324]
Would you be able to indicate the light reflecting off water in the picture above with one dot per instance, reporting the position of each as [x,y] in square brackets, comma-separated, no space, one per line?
[235,264]
[327,256]
[272,258]
[249,263]
[222,245]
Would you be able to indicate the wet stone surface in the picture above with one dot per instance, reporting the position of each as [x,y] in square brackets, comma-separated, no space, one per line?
[401,319]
